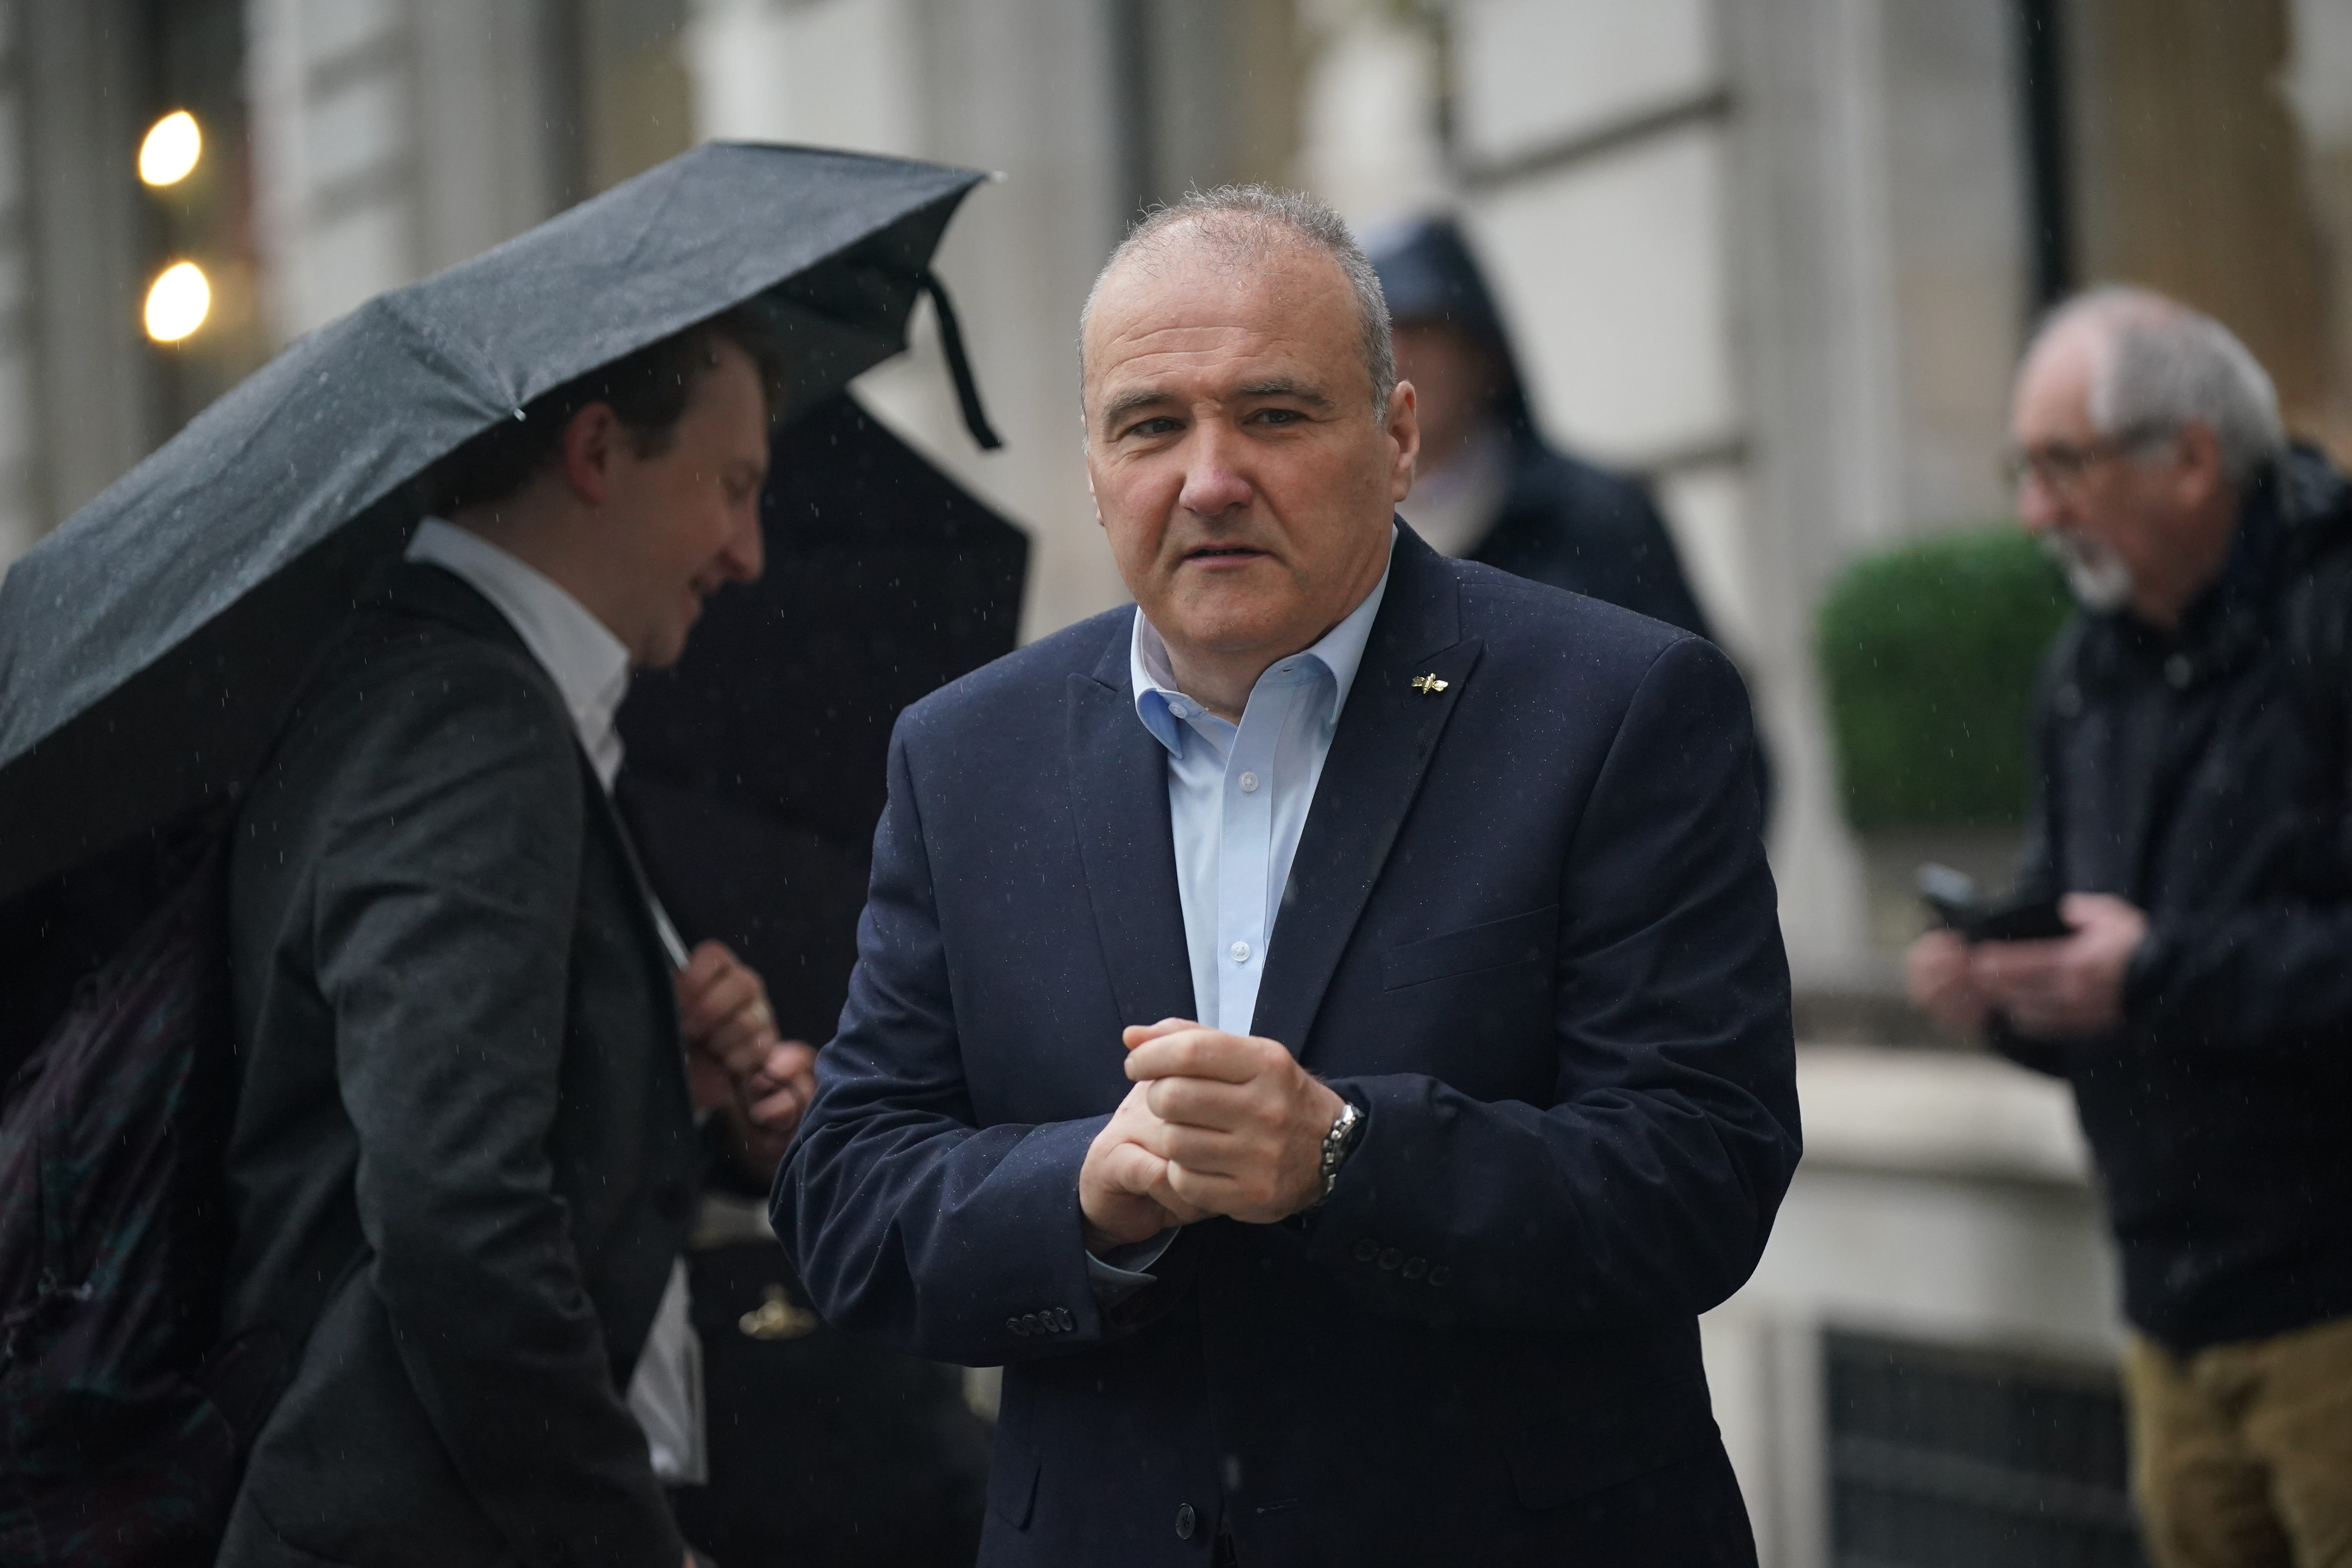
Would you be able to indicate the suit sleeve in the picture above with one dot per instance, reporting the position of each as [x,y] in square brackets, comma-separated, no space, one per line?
[444,900]
[1647,1186]
[909,1224]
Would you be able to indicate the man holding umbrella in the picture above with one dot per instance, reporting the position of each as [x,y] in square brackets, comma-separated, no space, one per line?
[464,1146]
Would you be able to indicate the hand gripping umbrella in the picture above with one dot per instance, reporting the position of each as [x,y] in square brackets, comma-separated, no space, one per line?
[150,646]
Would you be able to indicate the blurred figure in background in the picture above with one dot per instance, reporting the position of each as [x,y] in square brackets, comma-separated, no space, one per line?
[1487,487]
[2190,732]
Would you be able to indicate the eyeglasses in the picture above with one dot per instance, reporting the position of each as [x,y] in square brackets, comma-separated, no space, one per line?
[2061,465]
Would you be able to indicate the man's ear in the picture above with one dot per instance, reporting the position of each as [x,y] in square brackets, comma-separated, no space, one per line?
[590,444]
[2199,473]
[1403,426]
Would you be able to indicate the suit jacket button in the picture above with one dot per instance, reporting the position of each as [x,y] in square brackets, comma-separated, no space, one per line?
[1184,1518]
[1391,1256]
[1016,1325]
[1031,1323]
[1062,1320]
[1414,1267]
[1441,1275]
[1367,1250]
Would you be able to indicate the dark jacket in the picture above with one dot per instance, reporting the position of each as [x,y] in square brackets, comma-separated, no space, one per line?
[1529,931]
[1568,524]
[463,1142]
[2192,775]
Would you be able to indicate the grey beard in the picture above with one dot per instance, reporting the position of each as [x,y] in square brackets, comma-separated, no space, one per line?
[2096,576]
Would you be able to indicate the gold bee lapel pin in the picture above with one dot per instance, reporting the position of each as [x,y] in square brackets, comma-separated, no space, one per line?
[1429,685]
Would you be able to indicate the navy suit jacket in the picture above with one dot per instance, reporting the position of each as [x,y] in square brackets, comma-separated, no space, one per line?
[1529,931]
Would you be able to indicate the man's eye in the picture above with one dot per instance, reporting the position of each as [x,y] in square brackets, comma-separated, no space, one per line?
[1160,424]
[1278,416]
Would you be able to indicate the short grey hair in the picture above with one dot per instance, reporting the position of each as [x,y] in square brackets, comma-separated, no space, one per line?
[2156,365]
[1250,221]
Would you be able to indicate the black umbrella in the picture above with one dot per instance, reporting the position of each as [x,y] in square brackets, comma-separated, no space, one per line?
[755,766]
[149,646]
[755,772]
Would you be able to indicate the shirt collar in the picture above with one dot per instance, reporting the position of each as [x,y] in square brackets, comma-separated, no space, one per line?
[589,665]
[1160,705]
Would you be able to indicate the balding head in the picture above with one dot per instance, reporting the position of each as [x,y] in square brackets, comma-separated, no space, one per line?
[1245,442]
[2150,364]
[1240,227]
[2138,426]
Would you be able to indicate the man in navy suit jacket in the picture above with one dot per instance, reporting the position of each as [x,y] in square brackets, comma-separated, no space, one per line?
[1325,1030]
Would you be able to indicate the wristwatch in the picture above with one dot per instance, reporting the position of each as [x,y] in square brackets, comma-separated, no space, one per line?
[1339,1142]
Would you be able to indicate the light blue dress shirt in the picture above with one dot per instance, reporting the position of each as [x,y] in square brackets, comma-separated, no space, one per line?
[1238,796]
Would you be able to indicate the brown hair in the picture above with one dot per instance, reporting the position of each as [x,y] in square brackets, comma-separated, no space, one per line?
[647,391]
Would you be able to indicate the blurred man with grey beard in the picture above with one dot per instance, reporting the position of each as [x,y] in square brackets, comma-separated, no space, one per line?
[2189,731]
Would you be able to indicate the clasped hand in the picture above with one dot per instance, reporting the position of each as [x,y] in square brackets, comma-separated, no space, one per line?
[1216,1124]
[736,1063]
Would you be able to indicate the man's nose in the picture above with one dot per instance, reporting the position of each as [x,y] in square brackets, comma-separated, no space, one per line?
[747,550]
[2039,507]
[1213,482]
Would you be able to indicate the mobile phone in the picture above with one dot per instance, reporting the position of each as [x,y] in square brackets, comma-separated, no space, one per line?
[2033,919]
[1952,896]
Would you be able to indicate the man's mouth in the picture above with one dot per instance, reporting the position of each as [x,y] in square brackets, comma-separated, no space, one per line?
[1215,555]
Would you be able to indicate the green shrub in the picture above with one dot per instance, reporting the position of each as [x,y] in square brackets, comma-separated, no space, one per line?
[1928,656]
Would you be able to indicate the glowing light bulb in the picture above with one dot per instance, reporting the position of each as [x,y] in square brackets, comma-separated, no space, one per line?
[177,302]
[174,144]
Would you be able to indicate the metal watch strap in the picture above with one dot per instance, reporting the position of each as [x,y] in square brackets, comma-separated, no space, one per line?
[1338,1141]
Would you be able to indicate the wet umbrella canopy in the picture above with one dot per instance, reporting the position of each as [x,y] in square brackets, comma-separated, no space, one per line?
[149,646]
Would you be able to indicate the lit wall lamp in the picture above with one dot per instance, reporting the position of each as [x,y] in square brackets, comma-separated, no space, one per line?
[170,149]
[178,302]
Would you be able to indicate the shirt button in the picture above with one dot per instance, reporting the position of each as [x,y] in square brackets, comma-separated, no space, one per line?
[1249,783]
[1184,1521]
[1240,951]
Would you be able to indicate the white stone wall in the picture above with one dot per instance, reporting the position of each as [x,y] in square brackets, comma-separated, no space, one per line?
[1020,86]
[20,524]
[1771,254]
[392,138]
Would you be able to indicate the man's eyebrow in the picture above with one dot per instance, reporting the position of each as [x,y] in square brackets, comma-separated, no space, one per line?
[1282,387]
[1117,410]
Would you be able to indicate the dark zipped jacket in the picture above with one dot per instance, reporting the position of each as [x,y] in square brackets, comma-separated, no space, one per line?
[2200,776]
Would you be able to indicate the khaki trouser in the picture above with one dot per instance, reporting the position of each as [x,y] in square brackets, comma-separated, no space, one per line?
[2242,1454]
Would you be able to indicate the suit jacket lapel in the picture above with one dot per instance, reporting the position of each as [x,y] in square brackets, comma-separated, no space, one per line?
[1118,797]
[1386,735]
[440,594]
